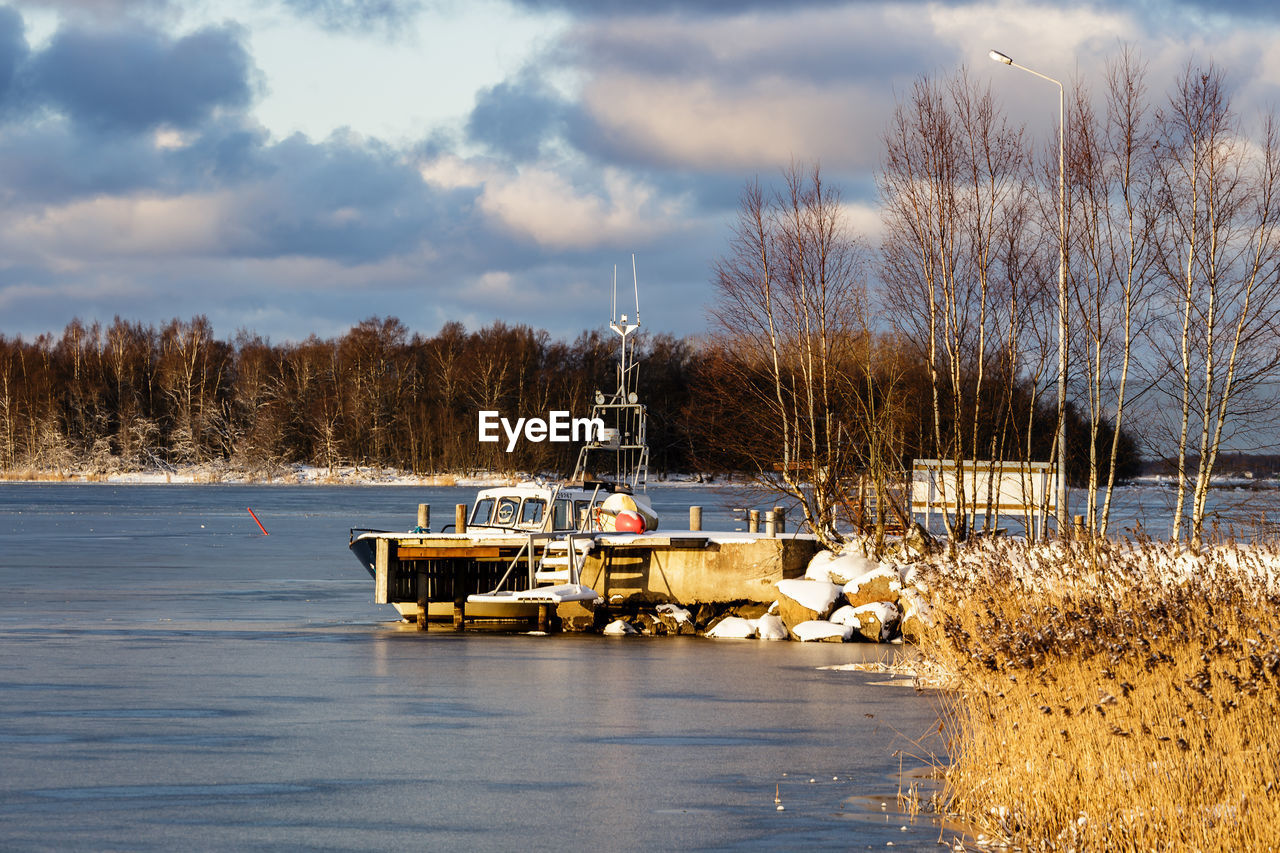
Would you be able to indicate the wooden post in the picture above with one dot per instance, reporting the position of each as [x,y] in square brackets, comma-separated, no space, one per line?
[422,593]
[1077,525]
[382,572]
[459,585]
[753,521]
[544,617]
[770,524]
[460,518]
[780,519]
[424,516]
[695,518]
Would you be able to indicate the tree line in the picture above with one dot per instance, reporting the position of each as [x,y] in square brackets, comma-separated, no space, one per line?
[131,396]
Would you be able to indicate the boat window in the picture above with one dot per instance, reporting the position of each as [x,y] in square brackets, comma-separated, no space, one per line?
[483,511]
[580,513]
[507,511]
[560,515]
[532,512]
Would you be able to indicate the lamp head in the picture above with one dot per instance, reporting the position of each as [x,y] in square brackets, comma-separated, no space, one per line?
[1000,57]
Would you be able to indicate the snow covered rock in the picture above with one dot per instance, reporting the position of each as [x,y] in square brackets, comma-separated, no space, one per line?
[770,627]
[917,614]
[847,566]
[838,568]
[844,616]
[733,628]
[877,621]
[817,569]
[677,619]
[822,631]
[881,583]
[913,576]
[619,628]
[805,599]
[918,541]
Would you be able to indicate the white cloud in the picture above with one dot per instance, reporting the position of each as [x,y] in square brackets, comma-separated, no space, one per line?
[765,122]
[543,205]
[120,226]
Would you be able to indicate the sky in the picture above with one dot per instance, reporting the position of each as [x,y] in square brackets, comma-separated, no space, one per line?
[292,167]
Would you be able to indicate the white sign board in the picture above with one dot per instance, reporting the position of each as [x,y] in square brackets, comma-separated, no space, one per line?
[1025,489]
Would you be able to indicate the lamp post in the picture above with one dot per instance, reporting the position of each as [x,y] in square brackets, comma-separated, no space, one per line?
[1063,510]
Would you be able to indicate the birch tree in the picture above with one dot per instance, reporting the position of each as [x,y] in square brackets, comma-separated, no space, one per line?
[1112,216]
[954,189]
[1221,272]
[792,292]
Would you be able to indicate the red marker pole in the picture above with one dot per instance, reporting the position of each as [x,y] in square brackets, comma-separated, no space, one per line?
[255,518]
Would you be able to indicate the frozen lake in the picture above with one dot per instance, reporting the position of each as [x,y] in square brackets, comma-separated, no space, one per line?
[169,678]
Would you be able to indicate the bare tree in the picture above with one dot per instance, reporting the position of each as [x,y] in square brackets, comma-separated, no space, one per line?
[792,291]
[1221,269]
[1112,229]
[955,190]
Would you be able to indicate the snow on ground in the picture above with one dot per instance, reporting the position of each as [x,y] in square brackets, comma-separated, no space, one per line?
[321,475]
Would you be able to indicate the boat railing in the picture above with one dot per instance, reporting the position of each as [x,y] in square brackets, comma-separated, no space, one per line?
[533,560]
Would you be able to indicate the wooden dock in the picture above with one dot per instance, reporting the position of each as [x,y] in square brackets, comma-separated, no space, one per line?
[435,574]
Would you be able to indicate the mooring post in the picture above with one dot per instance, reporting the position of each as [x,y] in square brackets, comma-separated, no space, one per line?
[422,594]
[382,581]
[459,589]
[460,518]
[544,618]
[1077,525]
[753,521]
[770,524]
[695,518]
[780,519]
[424,516]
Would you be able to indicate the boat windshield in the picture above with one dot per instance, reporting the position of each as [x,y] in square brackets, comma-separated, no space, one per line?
[483,511]
[560,515]
[531,514]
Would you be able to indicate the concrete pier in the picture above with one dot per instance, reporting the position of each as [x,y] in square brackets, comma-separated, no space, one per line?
[438,572]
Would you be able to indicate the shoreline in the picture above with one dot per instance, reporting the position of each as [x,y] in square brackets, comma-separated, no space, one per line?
[307,475]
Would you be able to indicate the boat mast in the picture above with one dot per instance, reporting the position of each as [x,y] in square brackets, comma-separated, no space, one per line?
[626,437]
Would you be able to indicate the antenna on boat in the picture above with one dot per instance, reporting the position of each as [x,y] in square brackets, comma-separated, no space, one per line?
[634,280]
[613,306]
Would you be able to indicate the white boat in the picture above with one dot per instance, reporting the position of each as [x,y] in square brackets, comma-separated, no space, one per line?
[560,521]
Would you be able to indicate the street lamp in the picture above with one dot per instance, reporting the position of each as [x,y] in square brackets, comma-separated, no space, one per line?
[1063,511]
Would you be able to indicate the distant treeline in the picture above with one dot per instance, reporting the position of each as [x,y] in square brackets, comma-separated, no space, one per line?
[129,396]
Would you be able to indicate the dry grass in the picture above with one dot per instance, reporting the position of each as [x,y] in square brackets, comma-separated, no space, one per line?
[32,475]
[1117,698]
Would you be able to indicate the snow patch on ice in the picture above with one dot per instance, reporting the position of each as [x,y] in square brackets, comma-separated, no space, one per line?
[820,629]
[770,627]
[619,628]
[733,628]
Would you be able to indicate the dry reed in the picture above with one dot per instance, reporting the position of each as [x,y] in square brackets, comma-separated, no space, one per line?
[1111,696]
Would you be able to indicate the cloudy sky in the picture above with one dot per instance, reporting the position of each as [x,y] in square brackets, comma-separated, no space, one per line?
[294,166]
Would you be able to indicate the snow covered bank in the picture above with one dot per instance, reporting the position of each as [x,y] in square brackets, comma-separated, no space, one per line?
[289,475]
